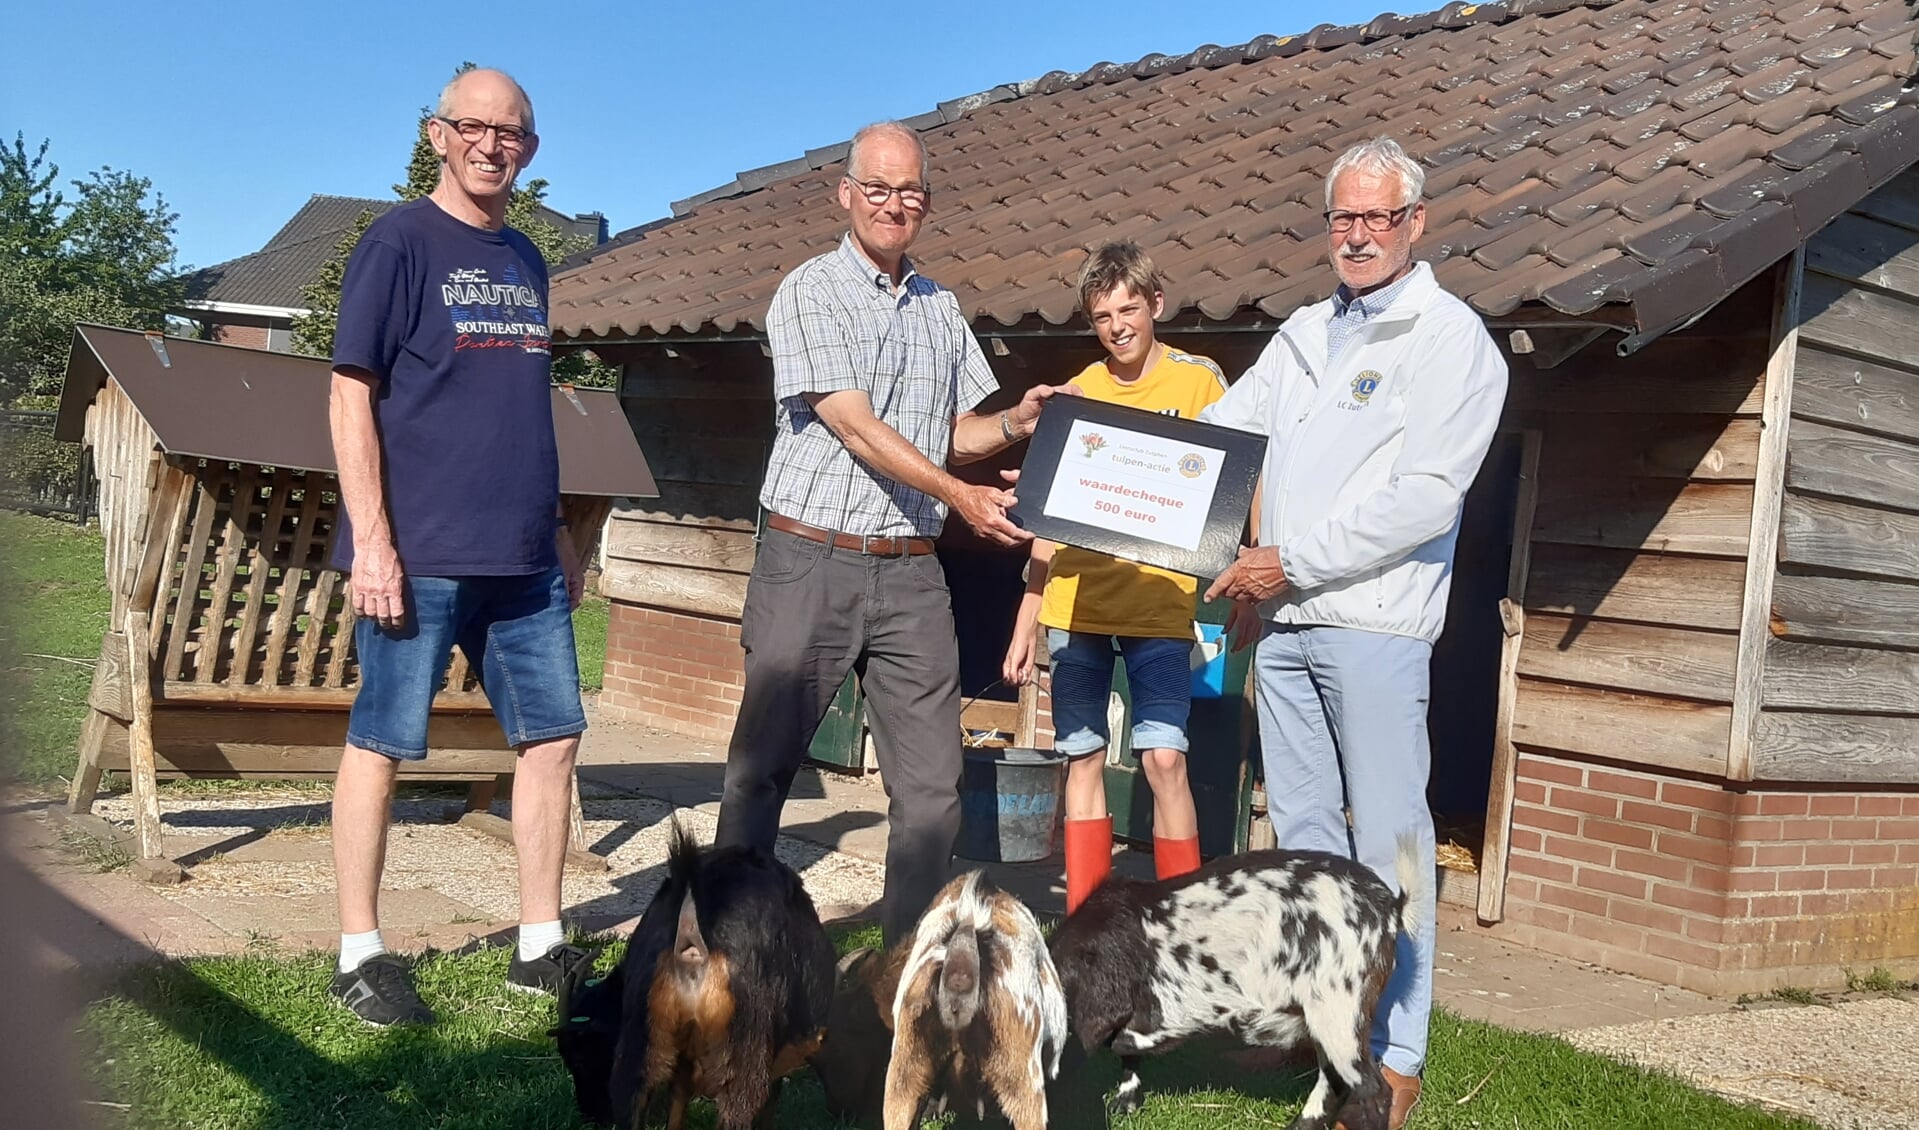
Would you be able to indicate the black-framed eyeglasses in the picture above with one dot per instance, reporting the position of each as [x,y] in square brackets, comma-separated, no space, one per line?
[471,130]
[1377,219]
[913,197]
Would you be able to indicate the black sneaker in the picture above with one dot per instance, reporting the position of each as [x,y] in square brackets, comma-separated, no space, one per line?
[379,992]
[544,974]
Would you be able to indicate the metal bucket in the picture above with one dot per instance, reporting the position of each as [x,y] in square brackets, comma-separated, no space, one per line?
[1009,803]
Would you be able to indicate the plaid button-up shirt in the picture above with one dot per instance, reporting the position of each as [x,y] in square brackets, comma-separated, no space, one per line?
[1352,311]
[836,323]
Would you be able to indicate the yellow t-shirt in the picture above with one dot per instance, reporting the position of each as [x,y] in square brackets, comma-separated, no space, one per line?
[1092,592]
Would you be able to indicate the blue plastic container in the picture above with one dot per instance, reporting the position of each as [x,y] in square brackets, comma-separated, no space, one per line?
[1209,681]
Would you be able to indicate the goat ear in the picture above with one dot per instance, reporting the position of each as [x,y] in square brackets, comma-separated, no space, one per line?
[687,942]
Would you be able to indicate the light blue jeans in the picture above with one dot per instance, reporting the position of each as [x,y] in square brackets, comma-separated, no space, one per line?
[1342,706]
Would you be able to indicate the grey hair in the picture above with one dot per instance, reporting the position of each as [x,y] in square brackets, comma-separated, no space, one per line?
[895,129]
[445,109]
[1380,155]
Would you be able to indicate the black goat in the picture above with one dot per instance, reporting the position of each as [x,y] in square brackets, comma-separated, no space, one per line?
[724,990]
[1270,946]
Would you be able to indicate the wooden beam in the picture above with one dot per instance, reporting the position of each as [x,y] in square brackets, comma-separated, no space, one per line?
[140,752]
[1860,249]
[1844,463]
[675,588]
[1661,733]
[667,543]
[1660,515]
[1895,202]
[1653,447]
[1865,322]
[1768,493]
[1679,662]
[697,504]
[1836,748]
[1496,847]
[1845,610]
[1835,389]
[1822,534]
[180,693]
[1684,375]
[1653,588]
[1548,347]
[1832,678]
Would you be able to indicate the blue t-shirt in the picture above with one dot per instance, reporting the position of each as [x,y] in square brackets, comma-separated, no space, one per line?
[452,319]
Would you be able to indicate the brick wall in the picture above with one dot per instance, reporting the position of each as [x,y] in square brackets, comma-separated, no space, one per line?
[252,337]
[672,670]
[1696,885]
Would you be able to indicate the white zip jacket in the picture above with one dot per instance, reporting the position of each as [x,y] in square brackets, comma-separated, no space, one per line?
[1368,458]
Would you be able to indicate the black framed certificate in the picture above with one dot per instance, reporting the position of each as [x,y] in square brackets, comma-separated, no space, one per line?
[1149,488]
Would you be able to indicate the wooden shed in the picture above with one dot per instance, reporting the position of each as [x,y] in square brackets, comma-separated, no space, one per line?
[1675,714]
[229,651]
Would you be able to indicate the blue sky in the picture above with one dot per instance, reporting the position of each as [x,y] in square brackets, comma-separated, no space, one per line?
[239,111]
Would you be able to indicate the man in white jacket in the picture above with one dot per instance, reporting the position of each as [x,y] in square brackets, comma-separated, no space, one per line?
[1379,404]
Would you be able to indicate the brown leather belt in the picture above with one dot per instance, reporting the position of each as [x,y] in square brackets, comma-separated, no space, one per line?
[878,547]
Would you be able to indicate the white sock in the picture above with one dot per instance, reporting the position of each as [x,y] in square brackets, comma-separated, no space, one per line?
[538,937]
[355,948]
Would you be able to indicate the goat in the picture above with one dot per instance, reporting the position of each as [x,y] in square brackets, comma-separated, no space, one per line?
[723,991]
[973,1007]
[1267,946]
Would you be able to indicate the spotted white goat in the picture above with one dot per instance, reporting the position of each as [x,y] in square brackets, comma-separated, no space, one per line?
[1272,947]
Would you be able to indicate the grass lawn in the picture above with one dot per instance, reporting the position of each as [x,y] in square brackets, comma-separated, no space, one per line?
[254,1042]
[53,610]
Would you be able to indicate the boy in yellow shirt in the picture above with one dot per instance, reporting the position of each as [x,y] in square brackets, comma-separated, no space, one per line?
[1090,603]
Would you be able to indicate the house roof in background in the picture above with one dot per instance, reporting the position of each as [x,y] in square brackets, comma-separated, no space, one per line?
[273,276]
[1624,161]
[243,405]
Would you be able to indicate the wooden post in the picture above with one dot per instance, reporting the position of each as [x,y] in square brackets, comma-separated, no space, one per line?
[1769,488]
[1496,849]
[152,863]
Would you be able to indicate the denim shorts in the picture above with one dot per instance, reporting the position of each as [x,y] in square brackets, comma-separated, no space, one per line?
[1159,672]
[517,632]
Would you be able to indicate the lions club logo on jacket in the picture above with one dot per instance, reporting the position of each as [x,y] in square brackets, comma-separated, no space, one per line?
[1364,384]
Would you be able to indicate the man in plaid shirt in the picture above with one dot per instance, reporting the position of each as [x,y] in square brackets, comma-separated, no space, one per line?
[877,377]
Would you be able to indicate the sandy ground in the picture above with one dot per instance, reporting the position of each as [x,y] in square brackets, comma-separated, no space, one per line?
[426,853]
[1849,1066]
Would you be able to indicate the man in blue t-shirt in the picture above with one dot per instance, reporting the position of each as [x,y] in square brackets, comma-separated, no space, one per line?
[451,526]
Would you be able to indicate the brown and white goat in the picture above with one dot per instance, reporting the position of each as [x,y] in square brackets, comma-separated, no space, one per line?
[1272,947]
[973,1008]
[724,990]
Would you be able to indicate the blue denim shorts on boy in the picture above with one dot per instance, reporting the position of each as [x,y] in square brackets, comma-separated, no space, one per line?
[1159,673]
[516,631]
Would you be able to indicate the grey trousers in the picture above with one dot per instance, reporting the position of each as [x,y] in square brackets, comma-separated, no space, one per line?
[812,614]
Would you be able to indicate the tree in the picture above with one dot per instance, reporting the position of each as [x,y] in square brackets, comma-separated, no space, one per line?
[313,333]
[106,255]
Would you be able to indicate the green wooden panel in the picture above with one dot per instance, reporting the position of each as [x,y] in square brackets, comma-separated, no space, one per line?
[841,738]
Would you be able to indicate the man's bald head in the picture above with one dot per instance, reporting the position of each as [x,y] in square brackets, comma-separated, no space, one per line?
[490,81]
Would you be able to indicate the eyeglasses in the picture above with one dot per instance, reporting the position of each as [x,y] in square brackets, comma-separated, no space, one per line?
[1377,219]
[471,130]
[913,197]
